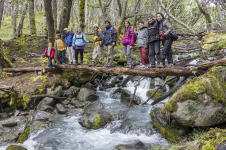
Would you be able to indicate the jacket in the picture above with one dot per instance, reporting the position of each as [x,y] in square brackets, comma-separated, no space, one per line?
[110,35]
[165,27]
[68,38]
[79,39]
[153,32]
[129,37]
[52,52]
[60,44]
[98,38]
[142,37]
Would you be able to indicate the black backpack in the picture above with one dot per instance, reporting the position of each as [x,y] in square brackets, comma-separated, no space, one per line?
[173,36]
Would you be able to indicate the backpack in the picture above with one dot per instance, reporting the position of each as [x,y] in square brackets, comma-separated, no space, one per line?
[116,31]
[173,36]
[135,36]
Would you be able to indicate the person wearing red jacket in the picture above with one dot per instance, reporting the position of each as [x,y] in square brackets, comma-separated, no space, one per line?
[49,52]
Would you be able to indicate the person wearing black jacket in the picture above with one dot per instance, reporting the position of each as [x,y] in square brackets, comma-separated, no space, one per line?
[154,42]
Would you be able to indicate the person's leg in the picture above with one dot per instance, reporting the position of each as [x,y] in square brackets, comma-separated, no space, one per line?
[145,55]
[128,55]
[100,53]
[76,55]
[69,55]
[157,51]
[94,57]
[81,55]
[60,57]
[110,55]
[63,56]
[169,52]
[152,53]
[73,55]
[49,62]
[141,56]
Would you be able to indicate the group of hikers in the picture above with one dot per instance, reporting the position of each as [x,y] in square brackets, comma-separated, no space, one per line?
[148,41]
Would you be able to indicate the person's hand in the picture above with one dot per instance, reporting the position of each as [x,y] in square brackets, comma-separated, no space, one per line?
[131,47]
[90,41]
[146,47]
[162,35]
[113,44]
[104,47]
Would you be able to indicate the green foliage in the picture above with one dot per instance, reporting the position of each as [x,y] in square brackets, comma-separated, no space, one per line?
[15,147]
[219,45]
[158,94]
[82,13]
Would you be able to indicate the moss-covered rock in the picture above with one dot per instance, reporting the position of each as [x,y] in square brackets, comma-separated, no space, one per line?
[15,147]
[172,82]
[24,136]
[94,116]
[201,101]
[158,94]
[126,97]
[169,130]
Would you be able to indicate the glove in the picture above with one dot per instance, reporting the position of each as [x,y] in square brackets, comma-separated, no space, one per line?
[90,41]
[70,44]
[162,35]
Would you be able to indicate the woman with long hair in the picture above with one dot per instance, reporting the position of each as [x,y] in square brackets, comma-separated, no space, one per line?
[128,41]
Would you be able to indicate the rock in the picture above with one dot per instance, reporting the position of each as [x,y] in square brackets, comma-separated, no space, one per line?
[46,101]
[104,88]
[46,108]
[158,94]
[138,144]
[79,104]
[15,147]
[200,102]
[89,86]
[57,92]
[159,82]
[94,116]
[10,136]
[17,112]
[120,77]
[24,136]
[60,108]
[3,115]
[170,131]
[222,147]
[127,96]
[66,102]
[51,144]
[24,113]
[171,83]
[86,95]
[9,123]
[71,92]
[42,115]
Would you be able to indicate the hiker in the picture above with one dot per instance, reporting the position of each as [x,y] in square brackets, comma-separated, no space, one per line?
[68,39]
[98,46]
[60,47]
[165,28]
[142,39]
[78,45]
[110,38]
[128,41]
[49,52]
[154,43]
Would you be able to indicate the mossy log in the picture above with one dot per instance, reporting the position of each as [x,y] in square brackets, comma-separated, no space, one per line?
[29,69]
[6,87]
[207,65]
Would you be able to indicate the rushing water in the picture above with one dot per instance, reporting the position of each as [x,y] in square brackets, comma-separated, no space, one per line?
[67,134]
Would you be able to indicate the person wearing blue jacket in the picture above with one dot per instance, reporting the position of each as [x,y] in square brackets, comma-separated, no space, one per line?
[68,40]
[78,44]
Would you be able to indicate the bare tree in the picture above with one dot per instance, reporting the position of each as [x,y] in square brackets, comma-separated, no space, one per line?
[33,30]
[219,12]
[1,11]
[14,16]
[54,8]
[104,10]
[50,20]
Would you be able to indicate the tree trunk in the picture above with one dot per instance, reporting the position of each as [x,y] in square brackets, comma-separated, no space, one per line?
[82,14]
[14,17]
[65,15]
[54,8]
[21,22]
[33,30]
[72,21]
[122,16]
[120,8]
[86,15]
[50,20]
[220,16]
[1,11]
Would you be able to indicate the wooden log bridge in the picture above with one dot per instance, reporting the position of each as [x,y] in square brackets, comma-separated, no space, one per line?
[177,71]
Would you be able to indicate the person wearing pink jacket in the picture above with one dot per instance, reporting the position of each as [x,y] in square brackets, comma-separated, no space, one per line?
[128,41]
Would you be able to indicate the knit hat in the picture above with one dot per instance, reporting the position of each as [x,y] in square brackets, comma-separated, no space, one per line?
[149,16]
[95,26]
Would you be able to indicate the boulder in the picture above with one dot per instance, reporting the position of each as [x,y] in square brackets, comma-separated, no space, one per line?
[138,144]
[172,130]
[60,108]
[15,147]
[89,86]
[79,104]
[86,95]
[94,116]
[3,115]
[46,101]
[13,121]
[200,102]
[46,108]
[10,136]
[57,92]
[42,115]
[158,94]
[66,102]
[127,96]
[104,88]
[71,92]
[9,123]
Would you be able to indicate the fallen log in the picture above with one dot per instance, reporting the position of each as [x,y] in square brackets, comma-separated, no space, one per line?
[207,65]
[29,69]
[134,72]
[6,87]
[43,96]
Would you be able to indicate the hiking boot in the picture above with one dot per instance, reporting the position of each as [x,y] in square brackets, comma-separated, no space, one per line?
[128,66]
[69,63]
[100,65]
[92,64]
[151,66]
[142,66]
[78,63]
[81,64]
[160,65]
[170,65]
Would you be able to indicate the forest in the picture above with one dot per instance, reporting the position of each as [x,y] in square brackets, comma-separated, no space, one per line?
[53,99]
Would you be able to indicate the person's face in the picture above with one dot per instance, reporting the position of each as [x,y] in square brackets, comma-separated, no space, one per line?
[79,30]
[65,31]
[159,17]
[107,24]
[50,45]
[150,20]
[126,24]
[58,34]
[95,28]
[141,25]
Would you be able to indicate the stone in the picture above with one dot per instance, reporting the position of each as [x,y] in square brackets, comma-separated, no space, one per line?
[13,121]
[120,77]
[222,147]
[87,95]
[138,144]
[159,82]
[71,92]
[172,130]
[15,147]
[57,92]
[3,115]
[10,136]
[46,101]
[9,123]
[79,104]
[42,115]
[127,96]
[94,116]
[60,108]
[89,86]
[104,88]
[66,102]
[46,108]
